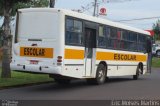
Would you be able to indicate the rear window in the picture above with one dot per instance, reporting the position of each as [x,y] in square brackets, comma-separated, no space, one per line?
[37,25]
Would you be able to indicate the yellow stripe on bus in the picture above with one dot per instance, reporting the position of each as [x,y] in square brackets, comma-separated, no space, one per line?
[79,54]
[120,56]
[74,54]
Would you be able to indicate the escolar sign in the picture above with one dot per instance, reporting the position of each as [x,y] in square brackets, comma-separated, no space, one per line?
[124,57]
[36,52]
[120,56]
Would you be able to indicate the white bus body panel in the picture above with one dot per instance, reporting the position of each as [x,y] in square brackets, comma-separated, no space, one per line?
[45,26]
[122,68]
[74,67]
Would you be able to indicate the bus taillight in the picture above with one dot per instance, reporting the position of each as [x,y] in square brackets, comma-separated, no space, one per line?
[59,59]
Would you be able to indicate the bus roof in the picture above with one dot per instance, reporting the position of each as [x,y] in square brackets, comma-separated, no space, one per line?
[87,17]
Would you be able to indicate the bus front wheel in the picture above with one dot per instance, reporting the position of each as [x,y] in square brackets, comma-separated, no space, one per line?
[100,75]
[138,72]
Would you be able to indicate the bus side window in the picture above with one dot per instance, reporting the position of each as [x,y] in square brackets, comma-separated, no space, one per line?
[141,43]
[122,45]
[119,34]
[115,44]
[73,32]
[68,38]
[108,35]
[121,40]
[101,37]
[114,37]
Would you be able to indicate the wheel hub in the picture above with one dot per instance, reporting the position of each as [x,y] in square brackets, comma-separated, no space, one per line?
[101,75]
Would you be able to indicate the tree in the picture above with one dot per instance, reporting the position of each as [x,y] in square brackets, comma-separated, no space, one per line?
[156,29]
[7,10]
[52,3]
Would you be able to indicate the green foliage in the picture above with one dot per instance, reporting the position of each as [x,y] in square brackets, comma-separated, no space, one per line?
[156,29]
[32,3]
[10,4]
[17,4]
[40,3]
[156,62]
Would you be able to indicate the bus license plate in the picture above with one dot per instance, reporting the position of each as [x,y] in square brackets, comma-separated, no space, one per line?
[33,62]
[36,52]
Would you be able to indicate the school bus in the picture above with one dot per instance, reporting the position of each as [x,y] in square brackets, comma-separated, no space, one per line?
[67,45]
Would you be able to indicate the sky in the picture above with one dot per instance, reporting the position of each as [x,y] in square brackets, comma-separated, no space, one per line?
[116,11]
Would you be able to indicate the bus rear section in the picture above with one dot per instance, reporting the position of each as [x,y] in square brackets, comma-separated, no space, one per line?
[37,45]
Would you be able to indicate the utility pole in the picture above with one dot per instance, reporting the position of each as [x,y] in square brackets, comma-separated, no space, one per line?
[97,9]
[95,6]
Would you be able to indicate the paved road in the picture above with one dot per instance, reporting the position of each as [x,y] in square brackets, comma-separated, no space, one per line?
[147,87]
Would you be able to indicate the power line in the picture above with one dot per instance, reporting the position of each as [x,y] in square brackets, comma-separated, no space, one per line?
[96,3]
[139,19]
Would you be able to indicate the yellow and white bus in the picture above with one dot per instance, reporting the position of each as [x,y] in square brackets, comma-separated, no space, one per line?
[67,44]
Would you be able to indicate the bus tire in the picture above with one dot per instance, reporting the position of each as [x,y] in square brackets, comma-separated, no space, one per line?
[138,71]
[100,74]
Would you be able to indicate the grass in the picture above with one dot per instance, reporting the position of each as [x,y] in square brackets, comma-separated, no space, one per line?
[19,78]
[156,62]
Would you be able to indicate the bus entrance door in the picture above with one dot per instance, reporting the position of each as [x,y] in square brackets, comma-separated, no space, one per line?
[90,44]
